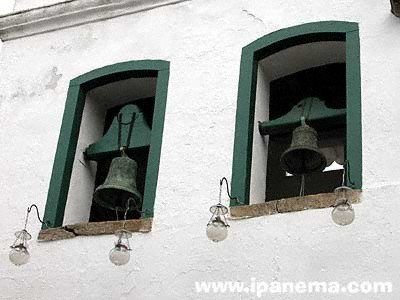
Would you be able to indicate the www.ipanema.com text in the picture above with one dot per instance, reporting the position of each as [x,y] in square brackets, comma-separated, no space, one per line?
[261,288]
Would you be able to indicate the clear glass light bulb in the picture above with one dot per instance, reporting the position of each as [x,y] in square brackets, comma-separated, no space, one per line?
[19,255]
[119,255]
[217,230]
[343,214]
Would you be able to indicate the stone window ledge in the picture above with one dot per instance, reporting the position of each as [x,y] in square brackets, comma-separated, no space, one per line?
[94,228]
[288,205]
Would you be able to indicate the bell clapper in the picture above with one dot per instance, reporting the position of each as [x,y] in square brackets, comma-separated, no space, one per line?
[123,151]
[302,185]
[303,179]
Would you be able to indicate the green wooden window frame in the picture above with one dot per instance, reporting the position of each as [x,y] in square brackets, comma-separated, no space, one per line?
[273,43]
[69,133]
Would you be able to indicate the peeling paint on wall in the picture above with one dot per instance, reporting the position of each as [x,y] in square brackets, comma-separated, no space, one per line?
[53,78]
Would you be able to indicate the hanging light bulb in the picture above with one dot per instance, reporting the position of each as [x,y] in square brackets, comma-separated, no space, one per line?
[343,213]
[19,254]
[217,226]
[119,255]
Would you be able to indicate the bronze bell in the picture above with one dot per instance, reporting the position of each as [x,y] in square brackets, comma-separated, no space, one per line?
[119,186]
[303,155]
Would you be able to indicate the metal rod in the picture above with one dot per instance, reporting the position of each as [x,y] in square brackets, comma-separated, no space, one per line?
[128,139]
[221,182]
[302,186]
[119,117]
[37,214]
[120,123]
[227,190]
[135,208]
[344,173]
[116,213]
[309,108]
[303,118]
[212,217]
[127,209]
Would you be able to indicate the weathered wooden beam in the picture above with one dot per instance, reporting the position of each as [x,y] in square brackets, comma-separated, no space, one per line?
[289,205]
[94,228]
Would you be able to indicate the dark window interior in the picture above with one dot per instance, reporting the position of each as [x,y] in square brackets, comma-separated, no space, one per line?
[328,83]
[140,155]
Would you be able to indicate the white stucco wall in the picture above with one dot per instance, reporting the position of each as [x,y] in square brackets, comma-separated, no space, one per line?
[260,143]
[77,209]
[29,4]
[6,6]
[203,42]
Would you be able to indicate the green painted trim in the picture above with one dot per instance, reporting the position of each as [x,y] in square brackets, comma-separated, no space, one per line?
[296,35]
[130,67]
[353,106]
[69,133]
[155,146]
[64,158]
[107,146]
[319,113]
[268,45]
[242,153]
